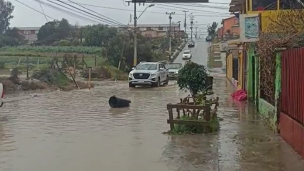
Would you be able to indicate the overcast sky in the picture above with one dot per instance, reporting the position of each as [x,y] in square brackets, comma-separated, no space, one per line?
[119,11]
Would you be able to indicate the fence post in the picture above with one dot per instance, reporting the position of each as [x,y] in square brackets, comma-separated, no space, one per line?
[90,78]
[27,67]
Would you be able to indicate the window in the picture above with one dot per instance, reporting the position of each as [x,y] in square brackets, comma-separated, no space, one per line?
[146,66]
[261,5]
[291,4]
[174,66]
[148,29]
[160,28]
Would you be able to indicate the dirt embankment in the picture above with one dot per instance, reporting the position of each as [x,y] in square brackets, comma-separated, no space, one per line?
[42,79]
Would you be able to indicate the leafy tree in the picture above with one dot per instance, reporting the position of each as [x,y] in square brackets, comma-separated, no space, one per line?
[14,33]
[193,77]
[212,29]
[53,31]
[64,29]
[98,35]
[47,33]
[6,10]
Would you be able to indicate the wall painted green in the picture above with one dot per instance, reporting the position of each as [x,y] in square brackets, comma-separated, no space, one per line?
[268,111]
[250,54]
[252,82]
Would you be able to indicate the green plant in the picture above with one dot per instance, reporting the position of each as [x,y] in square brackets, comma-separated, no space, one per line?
[2,65]
[213,126]
[51,76]
[193,77]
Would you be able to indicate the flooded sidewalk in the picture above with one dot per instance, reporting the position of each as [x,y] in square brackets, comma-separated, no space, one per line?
[77,131]
[245,142]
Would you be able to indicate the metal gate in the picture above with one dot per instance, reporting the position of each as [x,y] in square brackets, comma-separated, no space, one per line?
[291,116]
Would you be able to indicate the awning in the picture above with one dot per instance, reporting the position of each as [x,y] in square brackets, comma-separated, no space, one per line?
[235,8]
[236,2]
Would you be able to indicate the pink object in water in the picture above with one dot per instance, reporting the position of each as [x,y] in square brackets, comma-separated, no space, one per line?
[239,95]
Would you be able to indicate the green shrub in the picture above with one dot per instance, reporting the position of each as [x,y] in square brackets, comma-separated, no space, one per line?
[51,76]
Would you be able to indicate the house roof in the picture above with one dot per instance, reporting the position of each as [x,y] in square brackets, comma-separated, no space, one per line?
[235,5]
[226,19]
[28,28]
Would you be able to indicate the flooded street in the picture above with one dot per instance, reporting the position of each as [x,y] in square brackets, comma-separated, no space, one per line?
[77,131]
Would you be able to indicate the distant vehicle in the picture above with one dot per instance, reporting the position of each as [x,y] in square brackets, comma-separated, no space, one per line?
[2,94]
[149,73]
[191,44]
[187,54]
[173,69]
[208,39]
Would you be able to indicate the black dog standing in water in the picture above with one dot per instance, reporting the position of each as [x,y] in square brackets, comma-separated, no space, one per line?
[116,102]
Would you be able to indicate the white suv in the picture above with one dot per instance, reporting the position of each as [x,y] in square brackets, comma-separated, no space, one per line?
[187,54]
[149,73]
[2,94]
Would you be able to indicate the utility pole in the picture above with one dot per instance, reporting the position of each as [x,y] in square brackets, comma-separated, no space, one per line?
[179,36]
[191,23]
[170,18]
[196,32]
[135,35]
[185,24]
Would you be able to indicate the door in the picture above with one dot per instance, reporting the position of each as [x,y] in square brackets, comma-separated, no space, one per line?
[253,76]
[245,70]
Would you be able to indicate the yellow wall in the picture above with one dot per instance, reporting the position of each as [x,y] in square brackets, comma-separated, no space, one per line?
[267,16]
[229,67]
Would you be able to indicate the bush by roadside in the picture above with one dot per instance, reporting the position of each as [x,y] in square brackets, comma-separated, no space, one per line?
[53,77]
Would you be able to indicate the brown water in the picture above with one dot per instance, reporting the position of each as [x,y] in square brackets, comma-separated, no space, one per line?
[76,131]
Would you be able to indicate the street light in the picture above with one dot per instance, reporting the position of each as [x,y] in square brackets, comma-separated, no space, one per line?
[151,5]
[135,28]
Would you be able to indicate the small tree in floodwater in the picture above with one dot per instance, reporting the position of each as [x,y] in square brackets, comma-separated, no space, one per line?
[193,77]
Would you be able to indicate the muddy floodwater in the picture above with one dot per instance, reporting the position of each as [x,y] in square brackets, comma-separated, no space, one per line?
[77,131]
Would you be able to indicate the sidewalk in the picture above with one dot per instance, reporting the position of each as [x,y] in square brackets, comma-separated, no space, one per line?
[245,143]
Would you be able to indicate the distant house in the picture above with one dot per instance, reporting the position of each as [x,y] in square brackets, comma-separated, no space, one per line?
[157,30]
[230,28]
[29,33]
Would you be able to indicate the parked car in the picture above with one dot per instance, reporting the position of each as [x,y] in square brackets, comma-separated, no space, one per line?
[149,73]
[173,69]
[191,44]
[187,54]
[2,94]
[208,39]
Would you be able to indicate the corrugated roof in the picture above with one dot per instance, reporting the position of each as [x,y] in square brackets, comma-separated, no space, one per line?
[28,28]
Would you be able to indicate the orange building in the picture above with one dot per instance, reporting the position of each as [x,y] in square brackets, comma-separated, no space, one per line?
[220,33]
[230,27]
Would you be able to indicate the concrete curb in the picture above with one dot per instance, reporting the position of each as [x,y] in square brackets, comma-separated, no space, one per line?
[177,51]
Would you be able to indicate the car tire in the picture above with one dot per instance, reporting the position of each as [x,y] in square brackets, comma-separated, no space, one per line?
[131,85]
[167,80]
[157,84]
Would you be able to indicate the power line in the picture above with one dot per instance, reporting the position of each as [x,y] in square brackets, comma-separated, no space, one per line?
[66,12]
[103,19]
[154,12]
[43,13]
[106,18]
[34,9]
[164,6]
